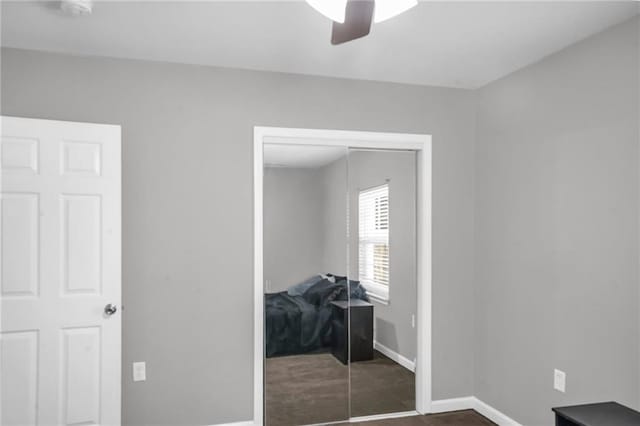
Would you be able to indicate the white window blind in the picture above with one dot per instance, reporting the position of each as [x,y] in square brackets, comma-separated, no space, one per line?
[373,234]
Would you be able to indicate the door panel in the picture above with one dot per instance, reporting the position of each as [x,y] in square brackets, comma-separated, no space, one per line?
[81,375]
[60,259]
[81,158]
[19,246]
[81,243]
[19,352]
[20,155]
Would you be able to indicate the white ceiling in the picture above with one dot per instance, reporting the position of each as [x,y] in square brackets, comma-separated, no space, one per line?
[301,156]
[452,44]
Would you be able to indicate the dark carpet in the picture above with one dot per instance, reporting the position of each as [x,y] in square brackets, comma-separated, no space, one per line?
[456,418]
[305,389]
[308,389]
[381,386]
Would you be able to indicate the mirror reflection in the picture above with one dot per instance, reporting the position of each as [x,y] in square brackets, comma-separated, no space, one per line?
[340,283]
[305,269]
[382,253]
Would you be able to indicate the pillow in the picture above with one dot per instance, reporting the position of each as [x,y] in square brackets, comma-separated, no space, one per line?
[359,292]
[300,288]
[329,277]
[356,291]
[336,278]
[322,293]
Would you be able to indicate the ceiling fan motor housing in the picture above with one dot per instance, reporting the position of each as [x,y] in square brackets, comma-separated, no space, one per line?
[76,7]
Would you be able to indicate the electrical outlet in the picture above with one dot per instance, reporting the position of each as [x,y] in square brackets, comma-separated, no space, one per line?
[413,321]
[139,371]
[559,380]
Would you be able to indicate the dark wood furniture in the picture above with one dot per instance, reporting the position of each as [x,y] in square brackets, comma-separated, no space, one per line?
[361,330]
[601,414]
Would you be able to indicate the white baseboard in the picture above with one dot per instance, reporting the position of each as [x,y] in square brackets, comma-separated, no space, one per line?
[440,406]
[383,416]
[473,403]
[494,415]
[454,404]
[405,362]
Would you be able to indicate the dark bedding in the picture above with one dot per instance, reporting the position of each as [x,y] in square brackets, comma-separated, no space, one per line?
[302,324]
[294,326]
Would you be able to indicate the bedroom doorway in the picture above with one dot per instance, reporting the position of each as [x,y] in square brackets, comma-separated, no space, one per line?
[342,247]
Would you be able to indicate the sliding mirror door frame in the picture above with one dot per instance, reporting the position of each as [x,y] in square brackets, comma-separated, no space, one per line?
[351,139]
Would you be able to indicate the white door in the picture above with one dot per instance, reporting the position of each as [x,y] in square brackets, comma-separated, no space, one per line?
[60,267]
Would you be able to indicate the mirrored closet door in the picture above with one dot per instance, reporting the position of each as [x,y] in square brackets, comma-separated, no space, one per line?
[306,299]
[340,283]
[382,260]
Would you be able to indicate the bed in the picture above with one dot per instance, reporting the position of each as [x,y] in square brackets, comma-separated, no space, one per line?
[299,321]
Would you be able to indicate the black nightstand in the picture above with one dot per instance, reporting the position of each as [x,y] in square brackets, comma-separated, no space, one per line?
[601,414]
[361,330]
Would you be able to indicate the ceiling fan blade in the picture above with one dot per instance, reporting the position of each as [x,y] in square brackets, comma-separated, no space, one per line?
[357,22]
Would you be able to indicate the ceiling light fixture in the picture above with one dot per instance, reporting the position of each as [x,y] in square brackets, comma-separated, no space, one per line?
[352,19]
[332,9]
[387,9]
[384,9]
[76,7]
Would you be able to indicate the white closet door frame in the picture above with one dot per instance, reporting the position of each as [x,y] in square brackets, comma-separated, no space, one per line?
[350,139]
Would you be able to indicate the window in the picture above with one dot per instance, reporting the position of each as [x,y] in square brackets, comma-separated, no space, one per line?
[373,244]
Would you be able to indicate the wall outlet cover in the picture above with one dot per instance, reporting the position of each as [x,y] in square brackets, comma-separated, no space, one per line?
[559,380]
[139,371]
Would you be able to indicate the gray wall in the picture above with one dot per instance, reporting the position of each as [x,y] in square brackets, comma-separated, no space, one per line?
[557,230]
[334,214]
[293,226]
[305,223]
[187,210]
[372,168]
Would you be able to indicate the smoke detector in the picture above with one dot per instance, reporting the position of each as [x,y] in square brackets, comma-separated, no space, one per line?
[76,7]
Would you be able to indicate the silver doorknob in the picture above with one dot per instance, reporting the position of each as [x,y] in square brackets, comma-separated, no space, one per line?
[110,309]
